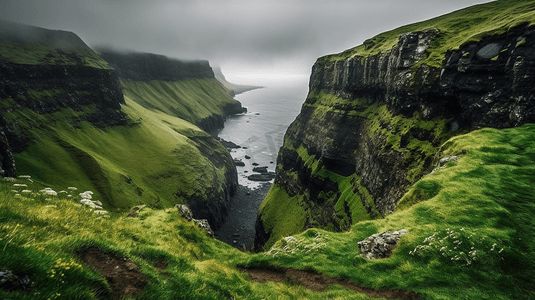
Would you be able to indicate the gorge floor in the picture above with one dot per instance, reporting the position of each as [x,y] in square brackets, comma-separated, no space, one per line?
[238,230]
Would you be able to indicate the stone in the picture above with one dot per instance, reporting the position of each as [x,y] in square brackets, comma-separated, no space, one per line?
[12,282]
[203,224]
[262,177]
[260,169]
[184,211]
[380,245]
[489,51]
[239,163]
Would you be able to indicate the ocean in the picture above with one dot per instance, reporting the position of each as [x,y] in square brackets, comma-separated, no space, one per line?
[260,131]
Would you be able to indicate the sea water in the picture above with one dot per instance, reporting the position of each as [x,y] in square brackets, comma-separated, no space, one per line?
[260,131]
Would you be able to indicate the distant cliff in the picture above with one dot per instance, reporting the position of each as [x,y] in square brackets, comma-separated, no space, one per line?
[65,122]
[234,88]
[46,72]
[186,89]
[376,115]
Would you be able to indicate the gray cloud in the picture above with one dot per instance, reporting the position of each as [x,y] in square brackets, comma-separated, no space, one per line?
[291,33]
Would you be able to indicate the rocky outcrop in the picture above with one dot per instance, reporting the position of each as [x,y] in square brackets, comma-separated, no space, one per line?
[371,125]
[380,245]
[185,212]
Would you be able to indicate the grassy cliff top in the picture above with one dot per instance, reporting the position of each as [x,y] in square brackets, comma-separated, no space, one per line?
[454,29]
[30,45]
[469,236]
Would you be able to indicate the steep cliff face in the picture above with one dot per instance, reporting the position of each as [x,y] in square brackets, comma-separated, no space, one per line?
[375,117]
[44,72]
[206,105]
[65,121]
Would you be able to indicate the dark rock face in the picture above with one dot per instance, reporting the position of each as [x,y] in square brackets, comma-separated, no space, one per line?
[213,206]
[484,84]
[74,87]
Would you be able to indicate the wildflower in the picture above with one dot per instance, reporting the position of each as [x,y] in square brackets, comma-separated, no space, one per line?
[500,250]
[72,188]
[48,191]
[26,191]
[9,179]
[24,176]
[86,195]
[20,185]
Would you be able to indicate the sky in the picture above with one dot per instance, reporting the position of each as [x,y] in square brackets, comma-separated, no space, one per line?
[243,37]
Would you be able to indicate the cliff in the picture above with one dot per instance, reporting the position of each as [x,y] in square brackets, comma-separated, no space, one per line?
[44,72]
[376,115]
[234,88]
[185,89]
[66,123]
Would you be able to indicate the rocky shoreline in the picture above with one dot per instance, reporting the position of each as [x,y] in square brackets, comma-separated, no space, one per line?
[238,229]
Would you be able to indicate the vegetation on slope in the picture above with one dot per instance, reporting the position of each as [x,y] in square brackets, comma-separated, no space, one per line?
[156,160]
[192,100]
[454,29]
[418,141]
[469,236]
[469,227]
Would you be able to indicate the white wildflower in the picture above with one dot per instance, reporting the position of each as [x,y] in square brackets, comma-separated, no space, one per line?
[9,179]
[72,188]
[24,176]
[26,191]
[86,195]
[20,185]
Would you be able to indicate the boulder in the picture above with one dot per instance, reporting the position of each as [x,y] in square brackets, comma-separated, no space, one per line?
[260,169]
[239,163]
[186,213]
[268,176]
[380,245]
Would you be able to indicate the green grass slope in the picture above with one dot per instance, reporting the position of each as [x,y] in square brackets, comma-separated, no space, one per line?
[192,99]
[155,160]
[469,225]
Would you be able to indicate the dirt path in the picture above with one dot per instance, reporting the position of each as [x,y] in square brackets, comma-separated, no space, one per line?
[238,230]
[318,282]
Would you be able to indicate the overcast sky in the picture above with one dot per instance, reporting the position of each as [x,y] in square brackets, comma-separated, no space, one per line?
[242,36]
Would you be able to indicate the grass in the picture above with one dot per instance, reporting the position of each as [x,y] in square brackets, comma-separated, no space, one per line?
[192,100]
[483,200]
[41,235]
[153,162]
[454,30]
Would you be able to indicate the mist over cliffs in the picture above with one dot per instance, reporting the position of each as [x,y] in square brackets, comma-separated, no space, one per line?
[376,116]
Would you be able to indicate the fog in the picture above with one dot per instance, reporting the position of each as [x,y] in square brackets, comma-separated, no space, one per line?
[278,37]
